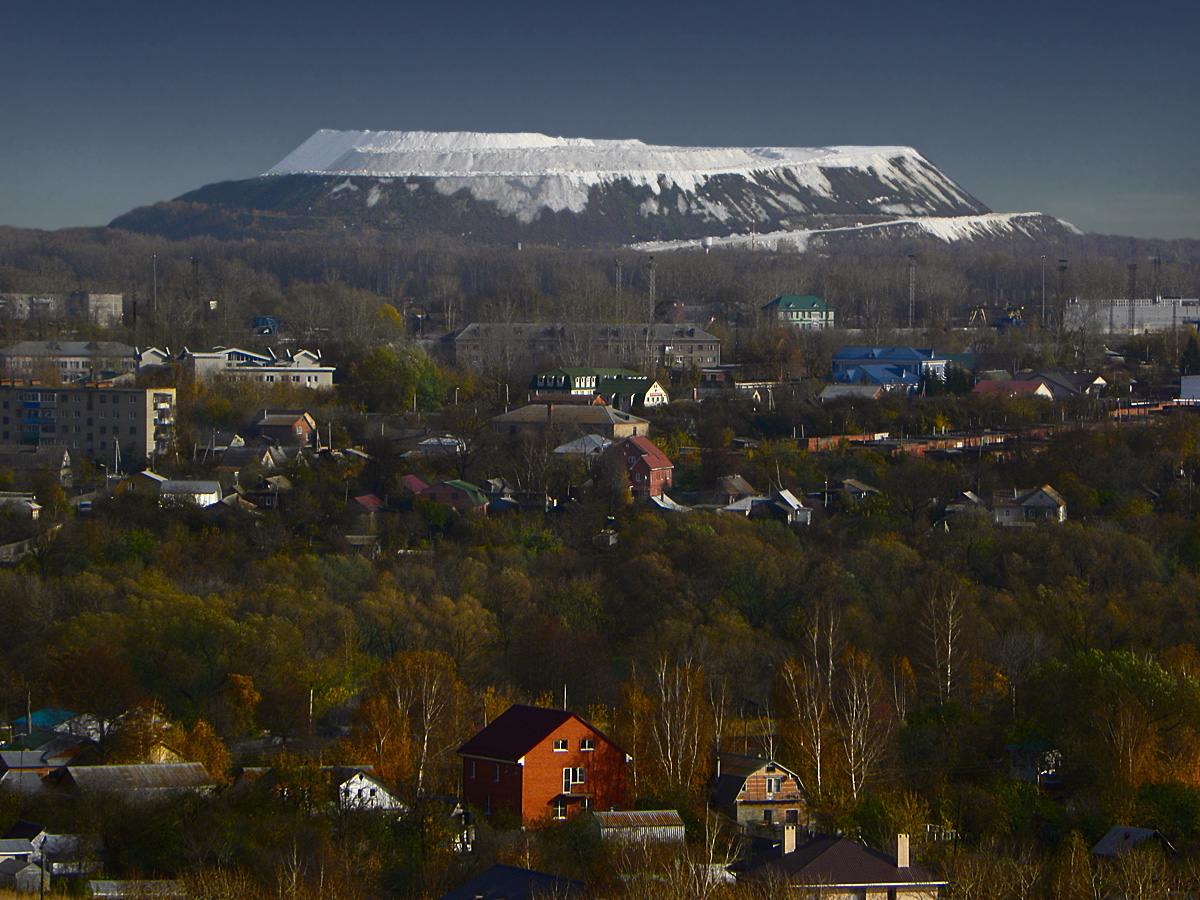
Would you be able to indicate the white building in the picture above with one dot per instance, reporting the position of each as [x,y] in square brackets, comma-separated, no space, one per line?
[301,368]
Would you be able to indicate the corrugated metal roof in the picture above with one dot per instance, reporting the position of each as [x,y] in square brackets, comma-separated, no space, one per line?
[640,818]
[130,778]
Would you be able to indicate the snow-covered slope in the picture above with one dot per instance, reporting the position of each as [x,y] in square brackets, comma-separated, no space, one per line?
[950,229]
[524,174]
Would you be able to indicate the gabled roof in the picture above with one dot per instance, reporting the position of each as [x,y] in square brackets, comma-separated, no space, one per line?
[886,354]
[834,862]
[644,448]
[44,718]
[518,730]
[24,829]
[414,484]
[510,883]
[639,818]
[515,732]
[15,847]
[735,768]
[141,779]
[476,496]
[797,302]
[588,445]
[1122,838]
[568,414]
[1031,388]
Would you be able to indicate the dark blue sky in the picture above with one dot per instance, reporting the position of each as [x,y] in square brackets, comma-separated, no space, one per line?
[1072,109]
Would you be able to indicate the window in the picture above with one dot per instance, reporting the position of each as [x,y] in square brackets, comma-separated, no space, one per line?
[560,745]
[497,776]
[774,785]
[572,777]
[767,817]
[472,768]
[560,809]
[587,744]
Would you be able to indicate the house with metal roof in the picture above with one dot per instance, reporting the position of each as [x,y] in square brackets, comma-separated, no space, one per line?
[532,764]
[570,421]
[837,867]
[756,792]
[801,311]
[648,468]
[462,495]
[895,368]
[641,826]
[511,883]
[138,783]
[1028,506]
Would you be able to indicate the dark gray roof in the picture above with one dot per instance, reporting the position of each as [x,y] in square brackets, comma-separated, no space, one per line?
[68,348]
[511,883]
[833,861]
[574,331]
[1121,838]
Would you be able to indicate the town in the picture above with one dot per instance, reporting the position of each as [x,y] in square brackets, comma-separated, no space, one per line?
[367,601]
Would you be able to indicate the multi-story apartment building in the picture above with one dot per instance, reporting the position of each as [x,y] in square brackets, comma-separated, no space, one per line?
[92,421]
[99,309]
[301,368]
[506,345]
[68,360]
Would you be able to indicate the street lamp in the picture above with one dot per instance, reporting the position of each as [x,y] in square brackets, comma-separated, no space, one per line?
[154,265]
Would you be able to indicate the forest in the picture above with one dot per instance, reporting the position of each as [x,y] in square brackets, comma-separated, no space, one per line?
[892,655]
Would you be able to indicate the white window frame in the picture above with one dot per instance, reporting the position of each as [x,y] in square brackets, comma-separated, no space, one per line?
[587,744]
[560,745]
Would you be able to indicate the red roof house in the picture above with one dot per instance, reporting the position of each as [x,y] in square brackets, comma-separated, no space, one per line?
[648,467]
[532,764]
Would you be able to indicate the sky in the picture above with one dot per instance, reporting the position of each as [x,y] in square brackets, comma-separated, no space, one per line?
[1088,112]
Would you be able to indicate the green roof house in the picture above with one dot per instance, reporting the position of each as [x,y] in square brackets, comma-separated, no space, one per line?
[802,311]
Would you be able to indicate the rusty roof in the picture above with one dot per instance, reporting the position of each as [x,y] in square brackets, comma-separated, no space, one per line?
[640,818]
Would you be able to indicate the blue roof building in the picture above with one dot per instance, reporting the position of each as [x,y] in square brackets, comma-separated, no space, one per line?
[896,368]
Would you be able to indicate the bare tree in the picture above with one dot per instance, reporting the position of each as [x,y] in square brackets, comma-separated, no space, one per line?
[861,719]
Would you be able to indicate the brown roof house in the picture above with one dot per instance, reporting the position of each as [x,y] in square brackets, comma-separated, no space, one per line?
[753,791]
[532,764]
[570,421]
[284,426]
[837,867]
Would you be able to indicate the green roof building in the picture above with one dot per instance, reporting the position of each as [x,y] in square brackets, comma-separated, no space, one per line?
[802,311]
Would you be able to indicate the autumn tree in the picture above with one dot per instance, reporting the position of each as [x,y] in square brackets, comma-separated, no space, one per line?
[412,716]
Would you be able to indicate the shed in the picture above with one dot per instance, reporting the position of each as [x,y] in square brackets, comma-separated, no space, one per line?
[21,876]
[643,826]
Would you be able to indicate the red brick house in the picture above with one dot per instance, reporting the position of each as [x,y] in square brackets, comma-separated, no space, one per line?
[534,764]
[648,467]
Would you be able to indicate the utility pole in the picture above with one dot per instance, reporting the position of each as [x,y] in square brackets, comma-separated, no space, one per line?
[1062,294]
[912,289]
[1132,294]
[1043,321]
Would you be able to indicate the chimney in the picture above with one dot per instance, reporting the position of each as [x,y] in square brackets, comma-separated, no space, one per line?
[789,839]
[902,851]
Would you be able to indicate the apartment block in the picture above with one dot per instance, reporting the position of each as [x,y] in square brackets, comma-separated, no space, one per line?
[93,421]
